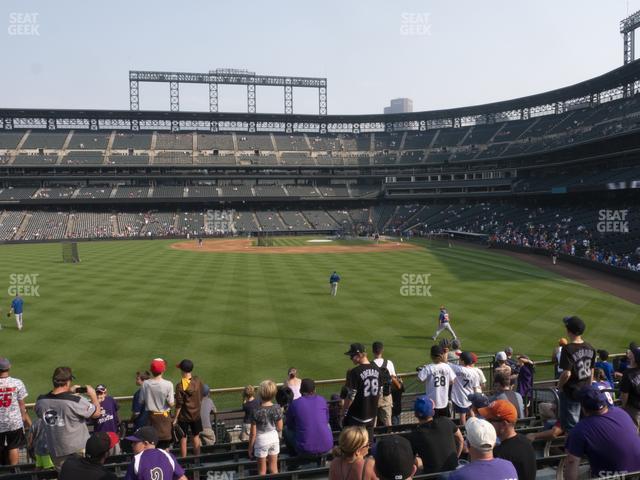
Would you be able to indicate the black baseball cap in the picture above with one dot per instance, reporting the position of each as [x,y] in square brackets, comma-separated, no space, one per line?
[144,434]
[574,325]
[100,443]
[636,355]
[436,350]
[185,365]
[354,349]
[394,458]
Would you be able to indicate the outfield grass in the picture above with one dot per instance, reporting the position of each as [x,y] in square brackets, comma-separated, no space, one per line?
[245,317]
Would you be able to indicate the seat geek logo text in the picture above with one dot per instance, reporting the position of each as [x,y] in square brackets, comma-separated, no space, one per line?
[24,24]
[415,285]
[613,221]
[24,284]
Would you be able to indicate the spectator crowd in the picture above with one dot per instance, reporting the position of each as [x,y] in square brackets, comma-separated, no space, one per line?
[464,426]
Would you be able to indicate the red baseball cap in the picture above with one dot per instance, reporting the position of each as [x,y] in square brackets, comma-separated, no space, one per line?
[158,366]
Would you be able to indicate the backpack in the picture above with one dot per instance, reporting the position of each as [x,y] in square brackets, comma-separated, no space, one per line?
[385,379]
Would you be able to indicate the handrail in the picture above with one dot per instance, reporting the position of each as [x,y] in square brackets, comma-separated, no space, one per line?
[334,381]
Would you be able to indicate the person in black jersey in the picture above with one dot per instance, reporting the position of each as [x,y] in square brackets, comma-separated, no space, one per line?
[577,361]
[363,386]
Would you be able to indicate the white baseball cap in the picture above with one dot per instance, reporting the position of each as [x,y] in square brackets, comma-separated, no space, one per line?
[480,434]
[501,357]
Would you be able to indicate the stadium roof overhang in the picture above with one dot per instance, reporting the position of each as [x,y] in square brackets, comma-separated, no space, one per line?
[618,83]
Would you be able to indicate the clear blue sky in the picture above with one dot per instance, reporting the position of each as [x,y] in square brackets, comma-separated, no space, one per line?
[473,51]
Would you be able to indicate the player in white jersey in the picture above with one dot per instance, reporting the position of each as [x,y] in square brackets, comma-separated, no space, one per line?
[437,377]
[13,413]
[467,382]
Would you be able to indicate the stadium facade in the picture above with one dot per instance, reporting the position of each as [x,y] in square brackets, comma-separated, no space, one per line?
[564,154]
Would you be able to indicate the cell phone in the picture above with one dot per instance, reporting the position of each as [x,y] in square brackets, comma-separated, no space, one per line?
[81,390]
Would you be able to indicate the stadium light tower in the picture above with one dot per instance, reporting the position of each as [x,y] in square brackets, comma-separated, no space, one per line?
[627,29]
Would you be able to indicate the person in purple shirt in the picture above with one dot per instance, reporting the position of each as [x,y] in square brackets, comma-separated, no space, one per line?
[108,420]
[481,437]
[149,462]
[606,436]
[526,370]
[308,422]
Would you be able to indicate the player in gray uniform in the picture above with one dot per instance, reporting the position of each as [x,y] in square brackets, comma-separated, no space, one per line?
[443,324]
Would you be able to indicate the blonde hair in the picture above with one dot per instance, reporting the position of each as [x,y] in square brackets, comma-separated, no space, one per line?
[248,392]
[267,390]
[351,440]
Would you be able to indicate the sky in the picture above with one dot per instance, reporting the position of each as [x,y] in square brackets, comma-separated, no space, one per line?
[439,53]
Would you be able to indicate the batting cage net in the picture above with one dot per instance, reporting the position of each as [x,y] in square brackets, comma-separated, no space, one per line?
[70,252]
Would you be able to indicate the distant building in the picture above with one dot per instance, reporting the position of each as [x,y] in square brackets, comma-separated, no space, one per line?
[399,105]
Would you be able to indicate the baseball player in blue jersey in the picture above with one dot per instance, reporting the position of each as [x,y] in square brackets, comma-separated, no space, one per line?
[334,279]
[443,323]
[16,309]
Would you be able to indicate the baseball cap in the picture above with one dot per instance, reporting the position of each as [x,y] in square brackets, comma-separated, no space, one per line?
[205,390]
[633,345]
[501,357]
[478,400]
[574,325]
[423,407]
[591,398]
[354,349]
[455,344]
[100,443]
[500,410]
[394,458]
[185,365]
[466,358]
[436,350]
[480,434]
[307,385]
[445,343]
[158,366]
[563,341]
[5,364]
[508,350]
[144,434]
[636,355]
[474,357]
[101,388]
[62,374]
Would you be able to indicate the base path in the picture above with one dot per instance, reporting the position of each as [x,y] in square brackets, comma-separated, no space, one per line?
[238,245]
